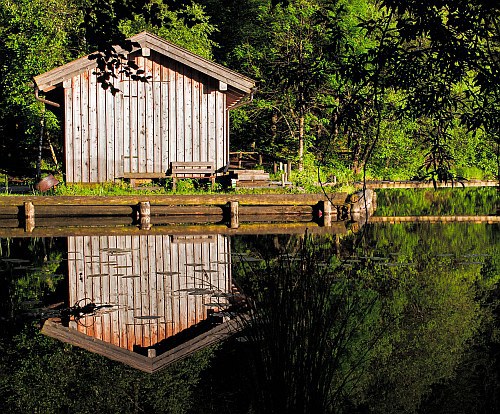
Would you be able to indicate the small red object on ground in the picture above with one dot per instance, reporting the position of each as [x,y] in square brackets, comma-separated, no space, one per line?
[47,183]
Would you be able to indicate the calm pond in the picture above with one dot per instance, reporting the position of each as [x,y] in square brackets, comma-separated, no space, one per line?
[384,318]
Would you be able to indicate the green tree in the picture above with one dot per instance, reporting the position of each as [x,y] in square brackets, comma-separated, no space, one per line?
[189,27]
[445,60]
[35,36]
[293,51]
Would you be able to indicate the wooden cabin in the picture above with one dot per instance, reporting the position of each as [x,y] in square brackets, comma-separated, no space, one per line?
[161,290]
[179,115]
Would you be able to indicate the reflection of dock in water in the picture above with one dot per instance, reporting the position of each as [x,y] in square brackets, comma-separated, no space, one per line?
[168,296]
[117,227]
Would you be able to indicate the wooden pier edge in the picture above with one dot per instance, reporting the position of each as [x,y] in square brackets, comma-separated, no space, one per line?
[143,207]
[185,200]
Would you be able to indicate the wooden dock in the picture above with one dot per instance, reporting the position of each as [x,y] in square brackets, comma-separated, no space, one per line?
[36,214]
[119,228]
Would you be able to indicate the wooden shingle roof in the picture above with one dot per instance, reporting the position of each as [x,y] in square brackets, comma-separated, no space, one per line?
[47,81]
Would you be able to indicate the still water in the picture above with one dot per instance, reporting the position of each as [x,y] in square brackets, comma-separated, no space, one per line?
[390,318]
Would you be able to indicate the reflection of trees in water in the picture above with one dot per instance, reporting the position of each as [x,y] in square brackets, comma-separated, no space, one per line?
[446,201]
[435,318]
[475,387]
[42,375]
[364,337]
[370,335]
[308,327]
[29,272]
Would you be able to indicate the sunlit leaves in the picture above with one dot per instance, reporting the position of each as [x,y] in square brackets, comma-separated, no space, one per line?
[444,46]
[189,27]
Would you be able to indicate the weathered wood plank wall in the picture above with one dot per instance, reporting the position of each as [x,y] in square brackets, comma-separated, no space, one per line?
[178,115]
[146,277]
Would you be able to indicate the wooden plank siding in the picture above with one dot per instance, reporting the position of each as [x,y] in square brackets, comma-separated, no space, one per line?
[178,115]
[92,92]
[146,279]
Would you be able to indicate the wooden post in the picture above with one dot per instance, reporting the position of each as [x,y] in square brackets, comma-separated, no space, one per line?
[260,159]
[145,215]
[29,216]
[275,167]
[29,210]
[144,209]
[234,214]
[281,166]
[327,213]
[145,223]
[289,169]
[338,212]
[283,179]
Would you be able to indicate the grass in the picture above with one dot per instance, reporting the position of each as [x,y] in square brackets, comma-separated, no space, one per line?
[182,188]
[187,187]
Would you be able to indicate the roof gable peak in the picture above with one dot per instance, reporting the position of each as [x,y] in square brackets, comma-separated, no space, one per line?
[147,40]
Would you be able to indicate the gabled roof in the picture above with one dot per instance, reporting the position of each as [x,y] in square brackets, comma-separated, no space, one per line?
[56,330]
[54,77]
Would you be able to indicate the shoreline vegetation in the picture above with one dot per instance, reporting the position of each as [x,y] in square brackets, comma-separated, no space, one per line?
[183,187]
[301,184]
[112,189]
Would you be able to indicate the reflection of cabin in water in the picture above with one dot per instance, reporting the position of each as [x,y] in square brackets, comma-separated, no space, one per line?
[168,295]
[179,115]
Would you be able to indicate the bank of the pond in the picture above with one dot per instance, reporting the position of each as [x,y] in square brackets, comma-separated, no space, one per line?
[379,184]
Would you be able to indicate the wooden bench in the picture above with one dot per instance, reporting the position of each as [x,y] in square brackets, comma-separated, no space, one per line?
[195,169]
[143,176]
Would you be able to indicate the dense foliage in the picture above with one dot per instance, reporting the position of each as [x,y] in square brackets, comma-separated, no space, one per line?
[391,88]
[460,201]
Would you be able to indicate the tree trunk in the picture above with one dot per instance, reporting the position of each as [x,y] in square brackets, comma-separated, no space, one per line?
[274,127]
[301,141]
